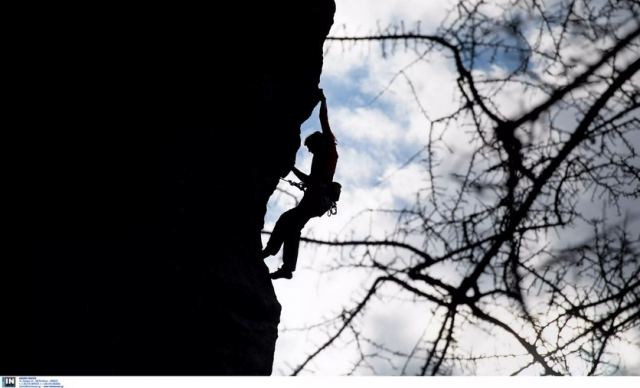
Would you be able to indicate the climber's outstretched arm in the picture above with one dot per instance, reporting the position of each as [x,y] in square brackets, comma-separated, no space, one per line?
[324,117]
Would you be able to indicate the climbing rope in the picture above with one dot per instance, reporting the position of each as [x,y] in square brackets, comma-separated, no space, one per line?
[301,186]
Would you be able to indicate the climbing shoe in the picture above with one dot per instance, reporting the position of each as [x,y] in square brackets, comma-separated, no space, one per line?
[281,273]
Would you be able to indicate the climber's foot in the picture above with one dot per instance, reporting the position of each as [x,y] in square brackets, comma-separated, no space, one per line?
[281,273]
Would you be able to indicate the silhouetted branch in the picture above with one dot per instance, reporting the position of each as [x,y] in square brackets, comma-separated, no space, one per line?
[491,246]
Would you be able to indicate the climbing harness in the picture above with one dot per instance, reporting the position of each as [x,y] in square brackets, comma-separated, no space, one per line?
[333,207]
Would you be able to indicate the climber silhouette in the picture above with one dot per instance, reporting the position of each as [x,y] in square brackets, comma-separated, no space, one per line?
[316,200]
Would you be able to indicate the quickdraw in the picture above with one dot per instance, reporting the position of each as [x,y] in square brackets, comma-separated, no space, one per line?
[332,210]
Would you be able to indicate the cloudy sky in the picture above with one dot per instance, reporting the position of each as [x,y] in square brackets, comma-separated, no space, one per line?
[379,127]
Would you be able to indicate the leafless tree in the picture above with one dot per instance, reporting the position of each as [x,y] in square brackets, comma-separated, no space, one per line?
[565,163]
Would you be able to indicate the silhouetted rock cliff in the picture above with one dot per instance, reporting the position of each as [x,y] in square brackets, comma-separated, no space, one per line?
[157,137]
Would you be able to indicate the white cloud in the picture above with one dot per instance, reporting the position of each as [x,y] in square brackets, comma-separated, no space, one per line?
[375,139]
[365,125]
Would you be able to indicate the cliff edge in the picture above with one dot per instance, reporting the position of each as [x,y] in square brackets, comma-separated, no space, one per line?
[158,135]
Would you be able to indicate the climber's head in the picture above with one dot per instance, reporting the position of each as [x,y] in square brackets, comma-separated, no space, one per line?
[314,141]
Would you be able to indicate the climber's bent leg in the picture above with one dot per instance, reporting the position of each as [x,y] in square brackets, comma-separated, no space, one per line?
[290,252]
[283,227]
